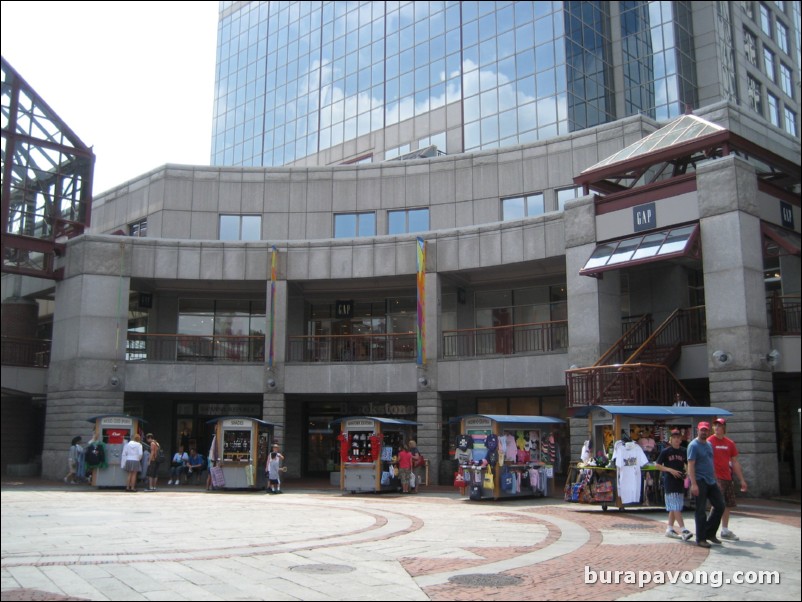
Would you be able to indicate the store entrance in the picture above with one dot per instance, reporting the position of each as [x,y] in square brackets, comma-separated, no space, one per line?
[321,446]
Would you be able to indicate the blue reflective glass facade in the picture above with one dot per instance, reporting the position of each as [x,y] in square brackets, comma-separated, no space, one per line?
[295,79]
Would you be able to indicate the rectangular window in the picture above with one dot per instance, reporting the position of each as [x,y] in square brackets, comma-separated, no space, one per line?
[774,109]
[566,194]
[786,80]
[353,225]
[765,19]
[522,206]
[768,63]
[240,227]
[790,121]
[407,221]
[782,37]
[754,95]
[138,229]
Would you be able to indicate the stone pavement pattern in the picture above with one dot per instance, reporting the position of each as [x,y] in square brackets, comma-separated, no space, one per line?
[77,543]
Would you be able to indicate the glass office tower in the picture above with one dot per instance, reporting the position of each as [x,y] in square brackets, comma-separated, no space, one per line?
[311,83]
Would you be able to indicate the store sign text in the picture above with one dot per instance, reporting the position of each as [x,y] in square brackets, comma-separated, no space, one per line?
[117,420]
[388,409]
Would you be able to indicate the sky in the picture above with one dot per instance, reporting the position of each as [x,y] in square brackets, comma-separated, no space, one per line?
[134,80]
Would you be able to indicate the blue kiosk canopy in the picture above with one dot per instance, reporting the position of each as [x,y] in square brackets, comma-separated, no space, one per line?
[654,411]
[514,419]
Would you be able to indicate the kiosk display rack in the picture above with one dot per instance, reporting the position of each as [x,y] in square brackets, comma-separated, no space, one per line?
[594,481]
[368,451]
[241,445]
[506,456]
[112,431]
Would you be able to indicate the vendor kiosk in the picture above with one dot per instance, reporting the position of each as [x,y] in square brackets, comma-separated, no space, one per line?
[111,433]
[593,480]
[240,450]
[506,456]
[369,449]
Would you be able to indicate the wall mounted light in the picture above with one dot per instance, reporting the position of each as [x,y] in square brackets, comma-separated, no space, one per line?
[423,381]
[271,383]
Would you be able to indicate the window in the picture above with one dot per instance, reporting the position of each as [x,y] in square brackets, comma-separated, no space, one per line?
[768,63]
[750,47]
[765,19]
[790,121]
[566,194]
[240,227]
[353,225]
[410,220]
[786,80]
[774,109]
[753,95]
[522,206]
[138,229]
[782,37]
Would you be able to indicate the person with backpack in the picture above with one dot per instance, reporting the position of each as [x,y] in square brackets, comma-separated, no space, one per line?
[156,458]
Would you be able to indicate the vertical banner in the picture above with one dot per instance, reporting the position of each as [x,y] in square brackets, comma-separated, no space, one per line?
[273,270]
[421,339]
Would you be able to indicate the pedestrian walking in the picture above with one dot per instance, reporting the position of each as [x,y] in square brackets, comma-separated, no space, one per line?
[704,487]
[725,458]
[672,462]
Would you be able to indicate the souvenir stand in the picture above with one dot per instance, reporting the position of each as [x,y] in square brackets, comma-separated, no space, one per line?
[239,451]
[506,456]
[369,450]
[110,435]
[594,479]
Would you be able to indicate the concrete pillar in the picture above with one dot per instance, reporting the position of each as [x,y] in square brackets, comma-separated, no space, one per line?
[430,432]
[87,363]
[735,298]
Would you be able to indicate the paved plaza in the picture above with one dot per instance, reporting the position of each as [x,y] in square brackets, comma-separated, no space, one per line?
[76,543]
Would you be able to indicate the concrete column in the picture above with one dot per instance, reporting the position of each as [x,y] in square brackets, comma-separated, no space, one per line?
[87,363]
[735,299]
[430,432]
[594,305]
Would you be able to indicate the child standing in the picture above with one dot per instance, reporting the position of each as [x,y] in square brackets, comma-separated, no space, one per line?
[672,462]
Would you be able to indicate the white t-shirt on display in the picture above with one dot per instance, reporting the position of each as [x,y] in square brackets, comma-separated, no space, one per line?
[628,459]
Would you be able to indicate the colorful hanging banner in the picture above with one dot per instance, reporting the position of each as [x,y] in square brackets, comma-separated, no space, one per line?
[273,272]
[421,338]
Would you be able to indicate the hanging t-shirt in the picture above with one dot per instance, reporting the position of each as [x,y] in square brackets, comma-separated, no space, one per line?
[628,459]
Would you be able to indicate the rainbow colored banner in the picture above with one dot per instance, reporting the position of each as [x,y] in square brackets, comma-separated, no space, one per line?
[273,273]
[421,338]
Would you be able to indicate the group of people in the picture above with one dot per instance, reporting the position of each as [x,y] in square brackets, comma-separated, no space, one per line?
[137,458]
[711,462]
[185,464]
[411,466]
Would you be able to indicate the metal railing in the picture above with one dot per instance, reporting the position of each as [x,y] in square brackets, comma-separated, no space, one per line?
[535,337]
[191,348]
[784,314]
[625,384]
[21,351]
[352,348]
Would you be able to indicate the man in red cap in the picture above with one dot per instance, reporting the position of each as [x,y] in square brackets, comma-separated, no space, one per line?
[704,487]
[725,458]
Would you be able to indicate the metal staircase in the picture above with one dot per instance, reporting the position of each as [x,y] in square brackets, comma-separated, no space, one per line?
[636,369]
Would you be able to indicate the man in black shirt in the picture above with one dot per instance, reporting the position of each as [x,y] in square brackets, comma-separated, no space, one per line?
[672,462]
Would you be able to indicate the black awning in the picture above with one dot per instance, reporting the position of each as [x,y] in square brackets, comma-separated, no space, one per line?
[680,241]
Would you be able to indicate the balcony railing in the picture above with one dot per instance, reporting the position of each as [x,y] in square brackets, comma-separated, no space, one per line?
[189,348]
[784,314]
[536,337]
[353,348]
[20,351]
[623,384]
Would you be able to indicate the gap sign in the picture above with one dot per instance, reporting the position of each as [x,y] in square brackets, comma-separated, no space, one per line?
[644,217]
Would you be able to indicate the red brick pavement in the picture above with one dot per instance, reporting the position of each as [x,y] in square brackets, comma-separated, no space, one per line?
[563,578]
[34,594]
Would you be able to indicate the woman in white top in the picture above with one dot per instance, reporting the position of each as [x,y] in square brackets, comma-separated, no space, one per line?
[130,461]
